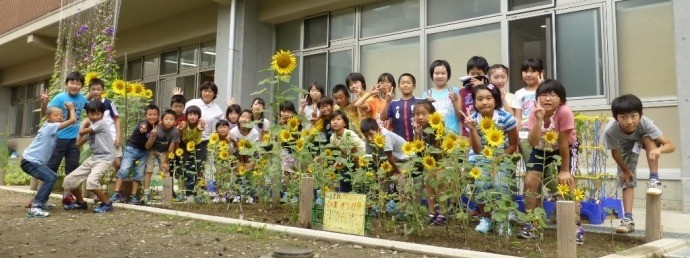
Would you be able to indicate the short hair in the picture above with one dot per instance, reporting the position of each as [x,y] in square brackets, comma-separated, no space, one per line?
[343,116]
[177,99]
[325,101]
[208,85]
[495,93]
[414,80]
[627,103]
[95,106]
[318,86]
[193,110]
[96,81]
[246,110]
[168,112]
[478,62]
[340,87]
[233,108]
[437,63]
[389,77]
[221,123]
[497,67]
[353,77]
[75,76]
[533,63]
[552,85]
[51,110]
[426,103]
[287,105]
[368,124]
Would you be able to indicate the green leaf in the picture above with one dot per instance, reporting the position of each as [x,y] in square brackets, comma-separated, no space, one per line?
[443,198]
[283,78]
[259,92]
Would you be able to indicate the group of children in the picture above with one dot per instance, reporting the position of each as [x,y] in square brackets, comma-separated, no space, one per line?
[525,118]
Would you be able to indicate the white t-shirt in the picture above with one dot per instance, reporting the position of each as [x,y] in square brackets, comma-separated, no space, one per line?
[210,113]
[253,136]
[524,100]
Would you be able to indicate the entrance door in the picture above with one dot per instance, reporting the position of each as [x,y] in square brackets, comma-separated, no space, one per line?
[529,37]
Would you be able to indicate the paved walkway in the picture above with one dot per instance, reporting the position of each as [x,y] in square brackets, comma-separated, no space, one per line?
[675,224]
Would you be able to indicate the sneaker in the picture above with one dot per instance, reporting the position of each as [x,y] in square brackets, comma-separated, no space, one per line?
[223,199]
[133,200]
[235,199]
[432,218]
[147,197]
[190,199]
[48,206]
[390,206]
[654,187]
[68,199]
[76,206]
[485,225]
[512,217]
[440,220]
[216,199]
[579,234]
[103,208]
[527,231]
[627,226]
[505,228]
[180,198]
[117,197]
[250,200]
[37,213]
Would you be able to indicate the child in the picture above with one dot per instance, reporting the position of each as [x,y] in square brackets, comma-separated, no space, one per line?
[307,105]
[162,140]
[177,103]
[232,114]
[97,133]
[192,131]
[421,112]
[262,124]
[498,76]
[65,144]
[243,131]
[487,104]
[399,111]
[37,154]
[625,136]
[136,153]
[96,88]
[341,97]
[350,145]
[224,144]
[442,94]
[477,67]
[392,147]
[523,104]
[551,116]
[287,111]
[371,103]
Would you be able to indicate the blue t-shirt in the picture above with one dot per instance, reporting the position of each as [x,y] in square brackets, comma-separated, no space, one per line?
[503,120]
[444,106]
[400,114]
[78,101]
[41,148]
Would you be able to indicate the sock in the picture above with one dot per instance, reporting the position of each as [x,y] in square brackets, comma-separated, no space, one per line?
[628,215]
[653,175]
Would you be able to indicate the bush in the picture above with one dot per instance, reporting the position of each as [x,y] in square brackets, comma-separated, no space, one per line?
[14,174]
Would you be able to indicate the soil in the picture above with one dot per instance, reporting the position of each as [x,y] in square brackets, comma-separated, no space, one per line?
[453,235]
[127,233]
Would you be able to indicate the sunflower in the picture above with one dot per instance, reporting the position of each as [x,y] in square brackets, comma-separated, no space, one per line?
[408,148]
[326,189]
[452,136]
[464,143]
[362,162]
[419,145]
[147,94]
[223,145]
[244,144]
[171,155]
[486,123]
[318,125]
[202,183]
[563,189]
[190,146]
[379,140]
[332,175]
[494,137]
[299,144]
[285,135]
[223,155]
[386,166]
[475,172]
[369,174]
[293,123]
[328,152]
[578,194]
[550,137]
[265,137]
[283,62]
[435,119]
[488,152]
[429,162]
[137,88]
[213,139]
[448,145]
[241,169]
[90,76]
[119,87]
[440,131]
[179,152]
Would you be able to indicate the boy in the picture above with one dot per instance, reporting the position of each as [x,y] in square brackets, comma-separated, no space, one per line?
[65,144]
[97,133]
[96,87]
[325,105]
[392,147]
[177,103]
[399,111]
[135,151]
[477,67]
[341,97]
[163,139]
[37,154]
[625,136]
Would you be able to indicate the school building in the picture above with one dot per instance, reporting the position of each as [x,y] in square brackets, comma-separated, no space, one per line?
[599,49]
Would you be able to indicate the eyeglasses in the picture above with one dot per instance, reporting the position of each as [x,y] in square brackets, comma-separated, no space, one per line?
[548,95]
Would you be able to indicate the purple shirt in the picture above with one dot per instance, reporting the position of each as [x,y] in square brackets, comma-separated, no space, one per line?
[400,114]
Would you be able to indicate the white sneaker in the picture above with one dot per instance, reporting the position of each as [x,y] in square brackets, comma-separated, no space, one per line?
[235,199]
[654,187]
[223,199]
[36,213]
[250,199]
[216,199]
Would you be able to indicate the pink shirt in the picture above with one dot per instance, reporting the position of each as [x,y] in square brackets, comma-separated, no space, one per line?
[561,120]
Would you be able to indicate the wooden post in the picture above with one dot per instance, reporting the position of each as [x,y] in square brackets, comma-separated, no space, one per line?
[565,228]
[33,185]
[653,219]
[306,201]
[275,191]
[2,176]
[167,191]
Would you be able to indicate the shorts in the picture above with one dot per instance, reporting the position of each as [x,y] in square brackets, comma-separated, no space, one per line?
[630,159]
[91,170]
[133,157]
[150,161]
[536,160]
[118,152]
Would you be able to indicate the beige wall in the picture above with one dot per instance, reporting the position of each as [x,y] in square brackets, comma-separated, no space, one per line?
[36,69]
[279,11]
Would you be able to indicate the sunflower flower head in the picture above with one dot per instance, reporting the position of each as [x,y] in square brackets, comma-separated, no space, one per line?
[119,87]
[369,174]
[408,148]
[488,152]
[429,162]
[90,76]
[148,94]
[448,145]
[179,152]
[283,62]
[202,183]
[475,172]
[362,162]
[223,145]
[244,144]
[494,137]
[223,155]
[213,139]
[379,140]
[419,145]
[241,170]
[265,137]
[386,166]
[563,189]
[451,136]
[299,144]
[550,137]
[464,144]
[578,194]
[293,123]
[435,119]
[191,145]
[285,135]
[486,123]
[171,155]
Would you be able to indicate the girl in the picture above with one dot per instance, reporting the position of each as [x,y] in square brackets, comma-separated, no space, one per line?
[421,112]
[371,103]
[232,114]
[191,130]
[349,143]
[443,95]
[307,105]
[524,101]
[325,105]
[287,111]
[224,144]
[399,111]
[487,104]
[262,123]
[551,132]
[243,132]
[498,76]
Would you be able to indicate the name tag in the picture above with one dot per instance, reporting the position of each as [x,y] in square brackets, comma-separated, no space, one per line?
[523,134]
[636,148]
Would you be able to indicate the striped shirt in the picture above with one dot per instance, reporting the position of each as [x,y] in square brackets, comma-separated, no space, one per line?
[503,120]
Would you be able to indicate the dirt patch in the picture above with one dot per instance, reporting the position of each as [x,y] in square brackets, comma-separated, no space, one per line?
[127,233]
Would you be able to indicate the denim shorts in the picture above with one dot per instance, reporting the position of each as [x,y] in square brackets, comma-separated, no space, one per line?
[133,157]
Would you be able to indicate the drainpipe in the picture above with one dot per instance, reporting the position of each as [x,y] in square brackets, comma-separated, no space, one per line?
[232,50]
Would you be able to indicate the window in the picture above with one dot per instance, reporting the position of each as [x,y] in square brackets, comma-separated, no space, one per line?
[208,55]
[151,66]
[25,109]
[442,11]
[170,62]
[342,25]
[314,69]
[288,35]
[646,47]
[578,51]
[316,31]
[188,58]
[339,67]
[395,57]
[527,4]
[134,69]
[389,16]
[529,38]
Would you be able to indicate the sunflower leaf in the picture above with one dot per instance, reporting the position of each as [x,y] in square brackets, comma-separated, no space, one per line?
[259,92]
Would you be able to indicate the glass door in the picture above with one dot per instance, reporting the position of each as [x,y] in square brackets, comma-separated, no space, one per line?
[529,37]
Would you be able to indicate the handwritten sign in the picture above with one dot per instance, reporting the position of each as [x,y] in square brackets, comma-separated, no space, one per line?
[344,213]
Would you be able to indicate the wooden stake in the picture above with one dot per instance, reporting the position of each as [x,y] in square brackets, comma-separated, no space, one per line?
[167,191]
[653,219]
[275,192]
[306,201]
[565,228]
[33,185]
[2,176]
